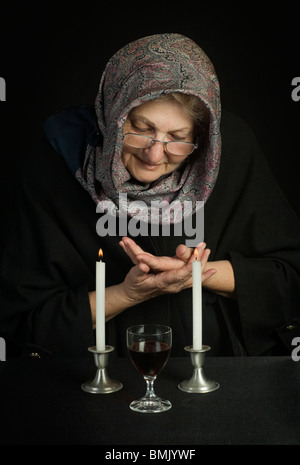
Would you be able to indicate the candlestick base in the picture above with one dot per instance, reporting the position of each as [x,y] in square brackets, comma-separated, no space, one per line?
[198,383]
[101,384]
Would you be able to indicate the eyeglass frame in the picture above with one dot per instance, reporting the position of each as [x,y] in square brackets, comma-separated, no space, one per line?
[165,143]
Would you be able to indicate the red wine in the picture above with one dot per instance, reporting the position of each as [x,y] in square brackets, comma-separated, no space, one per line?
[149,357]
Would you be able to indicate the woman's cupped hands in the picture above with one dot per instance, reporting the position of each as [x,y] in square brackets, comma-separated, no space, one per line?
[153,275]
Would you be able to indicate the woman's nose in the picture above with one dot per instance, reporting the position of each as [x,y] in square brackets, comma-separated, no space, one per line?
[155,152]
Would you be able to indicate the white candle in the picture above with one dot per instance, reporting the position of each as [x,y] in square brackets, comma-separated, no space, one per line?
[100,304]
[197,303]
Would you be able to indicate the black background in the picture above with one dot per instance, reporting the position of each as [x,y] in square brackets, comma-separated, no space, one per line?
[53,54]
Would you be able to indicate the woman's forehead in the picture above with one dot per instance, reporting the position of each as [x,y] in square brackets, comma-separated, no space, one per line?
[165,115]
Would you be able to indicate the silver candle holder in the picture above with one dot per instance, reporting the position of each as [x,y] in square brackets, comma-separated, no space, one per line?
[198,383]
[102,383]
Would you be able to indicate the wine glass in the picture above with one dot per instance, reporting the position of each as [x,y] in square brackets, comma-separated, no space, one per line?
[149,347]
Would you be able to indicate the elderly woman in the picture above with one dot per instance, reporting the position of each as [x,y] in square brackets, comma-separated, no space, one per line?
[155,136]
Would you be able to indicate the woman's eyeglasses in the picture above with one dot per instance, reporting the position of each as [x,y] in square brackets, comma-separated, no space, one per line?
[140,141]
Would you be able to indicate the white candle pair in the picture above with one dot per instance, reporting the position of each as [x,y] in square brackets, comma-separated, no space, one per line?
[197,303]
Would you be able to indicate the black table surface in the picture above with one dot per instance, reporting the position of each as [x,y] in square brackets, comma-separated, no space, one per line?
[258,402]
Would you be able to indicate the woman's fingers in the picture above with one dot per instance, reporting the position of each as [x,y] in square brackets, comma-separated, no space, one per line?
[158,264]
[131,248]
[184,255]
[138,256]
[187,254]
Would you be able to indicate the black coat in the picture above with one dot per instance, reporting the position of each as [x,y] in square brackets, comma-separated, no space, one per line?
[48,262]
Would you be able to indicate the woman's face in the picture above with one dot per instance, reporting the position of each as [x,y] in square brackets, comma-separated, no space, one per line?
[162,120]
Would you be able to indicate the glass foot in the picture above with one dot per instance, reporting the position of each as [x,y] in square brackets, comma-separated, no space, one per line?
[144,405]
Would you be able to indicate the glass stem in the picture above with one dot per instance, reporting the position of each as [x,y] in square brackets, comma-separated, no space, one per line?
[150,394]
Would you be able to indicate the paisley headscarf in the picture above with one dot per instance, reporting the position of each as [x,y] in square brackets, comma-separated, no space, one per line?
[144,70]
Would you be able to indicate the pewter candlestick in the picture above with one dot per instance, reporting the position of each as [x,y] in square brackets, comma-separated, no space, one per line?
[101,384]
[198,383]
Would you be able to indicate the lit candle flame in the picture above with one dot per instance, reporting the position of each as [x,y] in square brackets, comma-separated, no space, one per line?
[196,254]
[100,254]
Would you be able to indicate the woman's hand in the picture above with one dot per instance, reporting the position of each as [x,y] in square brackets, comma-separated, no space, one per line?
[147,280]
[217,276]
[152,276]
[166,274]
[149,277]
[184,255]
